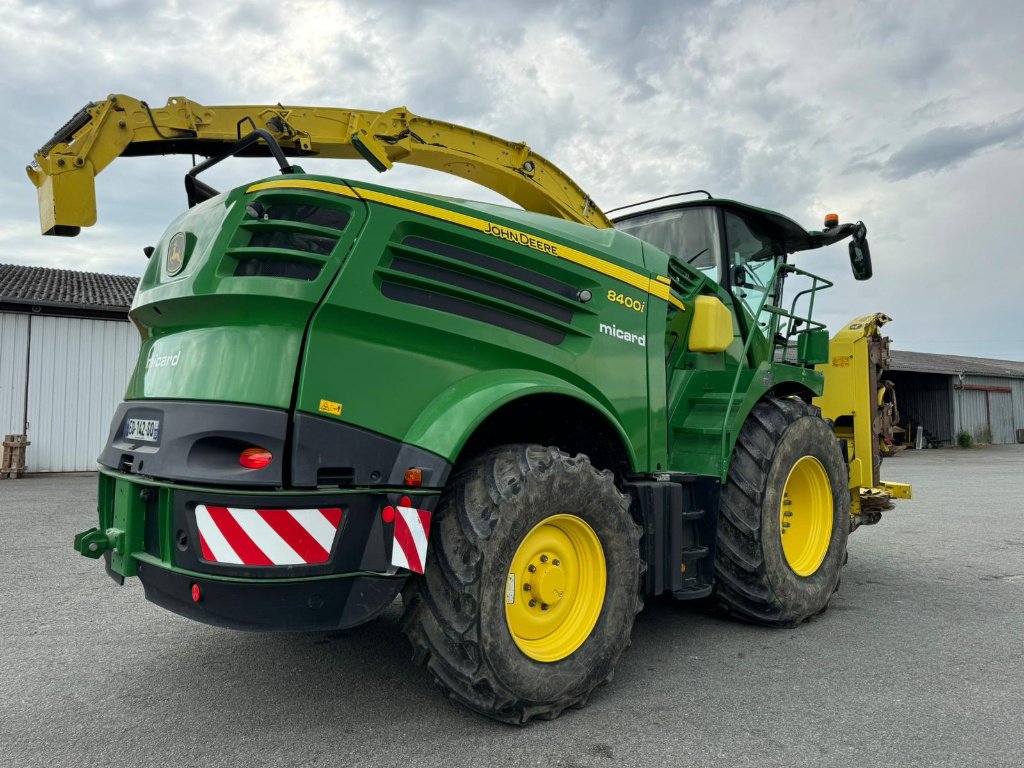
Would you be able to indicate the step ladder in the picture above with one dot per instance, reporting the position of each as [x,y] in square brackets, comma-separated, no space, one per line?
[678,514]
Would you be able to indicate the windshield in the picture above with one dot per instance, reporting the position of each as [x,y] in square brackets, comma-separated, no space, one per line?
[689,234]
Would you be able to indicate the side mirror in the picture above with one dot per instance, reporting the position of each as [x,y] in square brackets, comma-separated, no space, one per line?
[860,253]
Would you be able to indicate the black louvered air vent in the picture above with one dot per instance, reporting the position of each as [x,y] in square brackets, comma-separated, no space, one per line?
[288,240]
[684,282]
[451,279]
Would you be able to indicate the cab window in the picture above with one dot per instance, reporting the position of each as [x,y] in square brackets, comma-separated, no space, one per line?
[689,234]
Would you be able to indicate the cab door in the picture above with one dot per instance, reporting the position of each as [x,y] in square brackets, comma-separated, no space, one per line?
[751,258]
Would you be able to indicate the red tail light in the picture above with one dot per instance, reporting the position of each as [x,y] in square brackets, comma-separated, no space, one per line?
[255,458]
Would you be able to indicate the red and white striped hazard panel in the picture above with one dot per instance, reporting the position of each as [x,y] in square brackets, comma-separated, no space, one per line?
[266,536]
[412,530]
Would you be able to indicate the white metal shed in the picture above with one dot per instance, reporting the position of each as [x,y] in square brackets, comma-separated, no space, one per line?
[66,352]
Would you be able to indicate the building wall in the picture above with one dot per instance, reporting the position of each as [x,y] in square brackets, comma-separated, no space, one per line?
[78,372]
[1017,385]
[924,398]
[999,419]
[931,399]
[13,348]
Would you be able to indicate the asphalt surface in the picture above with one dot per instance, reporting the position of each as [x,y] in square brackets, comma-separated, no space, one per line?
[918,662]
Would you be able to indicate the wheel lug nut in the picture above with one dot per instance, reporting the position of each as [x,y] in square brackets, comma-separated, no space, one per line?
[787,513]
[533,603]
[787,503]
[544,606]
[556,561]
[785,525]
[527,587]
[543,558]
[532,568]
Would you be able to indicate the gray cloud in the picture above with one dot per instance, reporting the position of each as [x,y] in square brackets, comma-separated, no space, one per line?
[947,146]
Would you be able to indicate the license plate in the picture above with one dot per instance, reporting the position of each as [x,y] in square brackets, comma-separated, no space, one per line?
[146,430]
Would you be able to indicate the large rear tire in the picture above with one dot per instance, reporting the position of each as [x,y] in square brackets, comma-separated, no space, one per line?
[531,584]
[784,517]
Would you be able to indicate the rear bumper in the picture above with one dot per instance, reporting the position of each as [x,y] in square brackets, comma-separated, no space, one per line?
[317,605]
[200,442]
[154,531]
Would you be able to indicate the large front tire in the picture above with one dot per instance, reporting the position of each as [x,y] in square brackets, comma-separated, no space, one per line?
[531,584]
[784,516]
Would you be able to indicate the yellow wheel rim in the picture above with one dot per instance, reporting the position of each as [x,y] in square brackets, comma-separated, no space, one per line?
[805,516]
[555,588]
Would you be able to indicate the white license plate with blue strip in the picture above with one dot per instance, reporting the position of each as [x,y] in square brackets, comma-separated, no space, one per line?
[142,430]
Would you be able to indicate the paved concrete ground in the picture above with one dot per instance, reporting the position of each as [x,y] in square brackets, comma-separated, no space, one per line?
[918,661]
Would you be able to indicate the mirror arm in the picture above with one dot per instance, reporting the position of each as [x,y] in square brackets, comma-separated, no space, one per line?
[839,232]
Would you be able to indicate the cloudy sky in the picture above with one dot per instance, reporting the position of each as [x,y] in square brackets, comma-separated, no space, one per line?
[907,115]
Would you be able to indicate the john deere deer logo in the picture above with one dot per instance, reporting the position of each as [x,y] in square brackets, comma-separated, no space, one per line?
[176,254]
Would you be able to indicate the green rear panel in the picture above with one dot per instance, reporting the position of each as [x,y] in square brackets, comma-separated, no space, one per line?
[217,331]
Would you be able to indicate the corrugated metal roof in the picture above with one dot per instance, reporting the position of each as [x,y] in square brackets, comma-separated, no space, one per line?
[65,287]
[924,362]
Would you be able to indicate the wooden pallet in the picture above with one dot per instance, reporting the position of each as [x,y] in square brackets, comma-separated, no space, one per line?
[13,464]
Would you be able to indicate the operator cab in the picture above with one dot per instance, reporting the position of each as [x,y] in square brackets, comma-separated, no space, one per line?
[737,245]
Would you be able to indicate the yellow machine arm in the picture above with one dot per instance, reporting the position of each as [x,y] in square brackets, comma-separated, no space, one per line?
[64,169]
[861,405]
